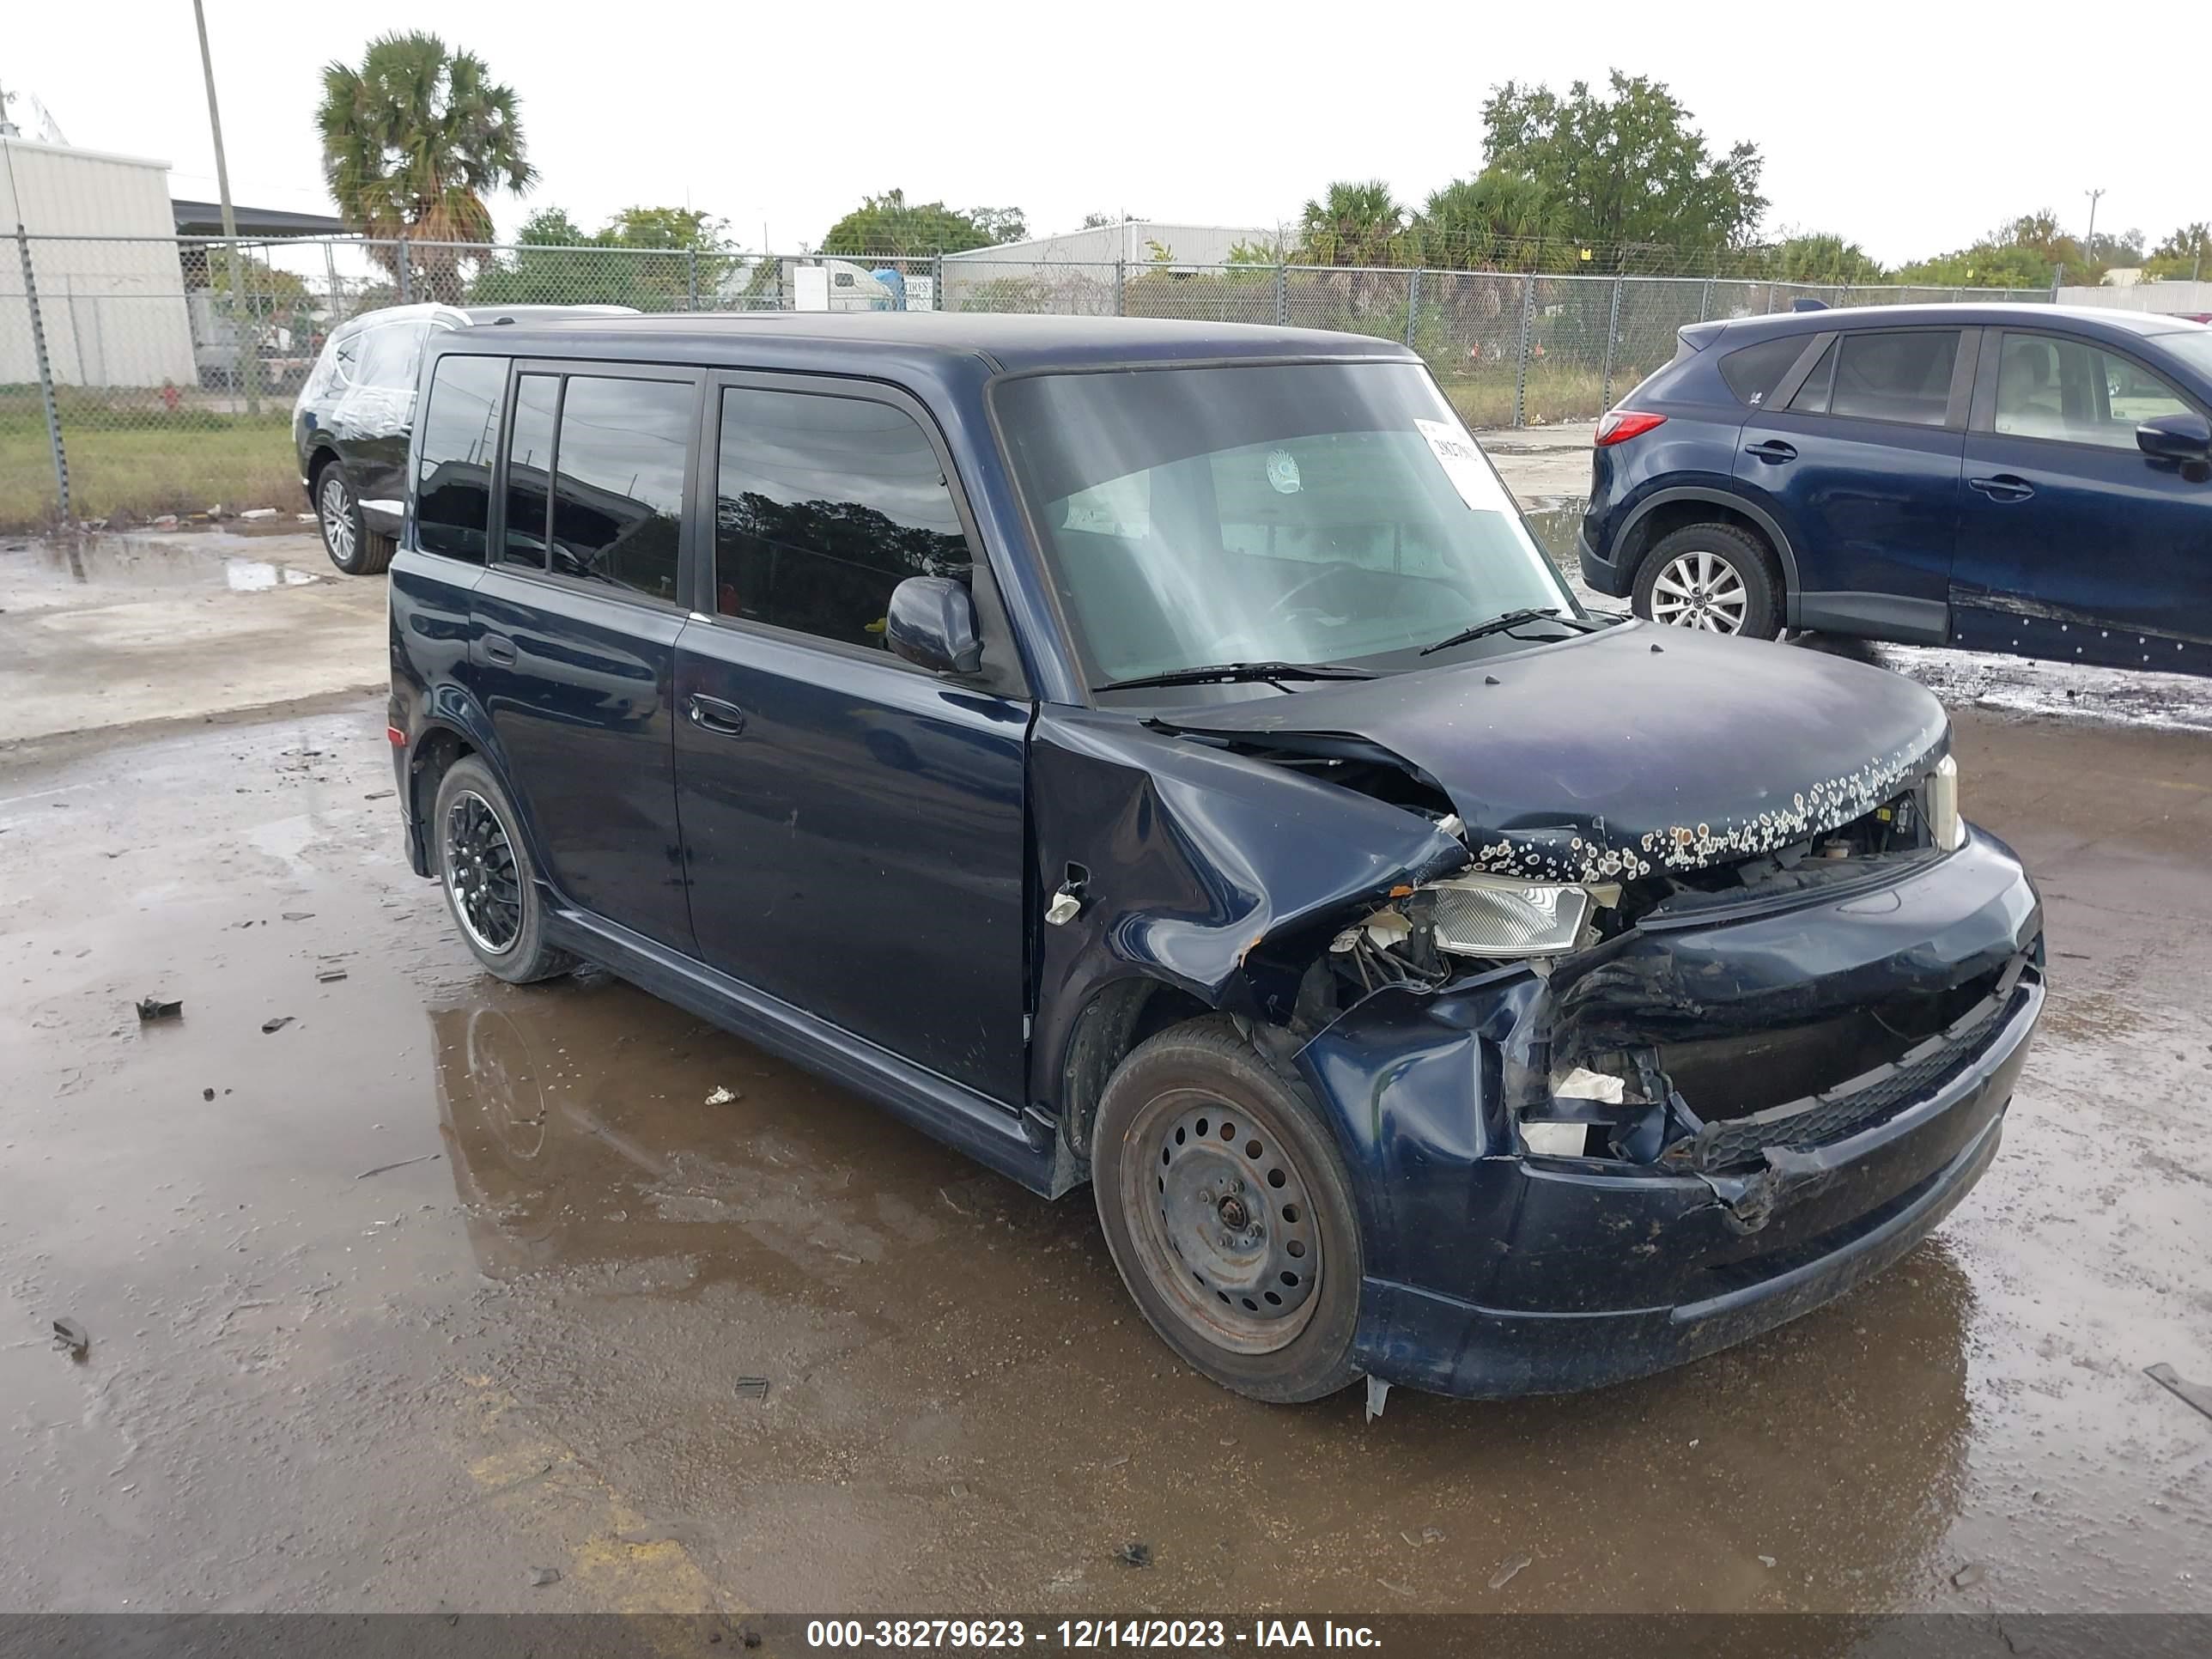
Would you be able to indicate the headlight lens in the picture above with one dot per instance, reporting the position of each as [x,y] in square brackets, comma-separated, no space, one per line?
[1944,824]
[1496,916]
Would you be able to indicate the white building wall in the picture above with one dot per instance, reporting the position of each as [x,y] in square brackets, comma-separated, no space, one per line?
[114,312]
[1086,260]
[2167,298]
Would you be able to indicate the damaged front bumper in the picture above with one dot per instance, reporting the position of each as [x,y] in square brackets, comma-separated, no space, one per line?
[1494,1271]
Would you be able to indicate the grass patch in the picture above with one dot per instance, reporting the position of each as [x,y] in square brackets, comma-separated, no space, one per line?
[184,461]
[1552,395]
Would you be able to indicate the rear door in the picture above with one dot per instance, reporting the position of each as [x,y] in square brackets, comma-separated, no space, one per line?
[2074,544]
[574,627]
[853,825]
[1857,456]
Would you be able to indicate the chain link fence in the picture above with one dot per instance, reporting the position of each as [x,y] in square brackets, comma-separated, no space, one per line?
[143,378]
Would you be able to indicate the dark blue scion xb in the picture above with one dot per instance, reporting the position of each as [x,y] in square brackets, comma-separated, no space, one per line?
[2028,478]
[1157,756]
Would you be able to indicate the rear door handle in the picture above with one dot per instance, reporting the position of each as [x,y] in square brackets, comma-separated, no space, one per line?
[2004,486]
[712,714]
[498,648]
[1772,452]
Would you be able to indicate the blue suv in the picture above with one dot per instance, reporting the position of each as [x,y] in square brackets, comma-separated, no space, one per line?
[2035,479]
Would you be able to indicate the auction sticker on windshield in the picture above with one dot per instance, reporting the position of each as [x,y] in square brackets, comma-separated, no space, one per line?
[1464,464]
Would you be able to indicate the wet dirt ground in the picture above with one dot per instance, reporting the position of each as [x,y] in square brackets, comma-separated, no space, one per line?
[443,1282]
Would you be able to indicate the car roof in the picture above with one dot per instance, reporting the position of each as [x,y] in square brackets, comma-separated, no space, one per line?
[1010,342]
[1976,315]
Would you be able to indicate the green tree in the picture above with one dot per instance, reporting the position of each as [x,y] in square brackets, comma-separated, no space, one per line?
[1353,222]
[2183,257]
[413,140]
[556,262]
[1496,220]
[1624,171]
[1815,257]
[891,225]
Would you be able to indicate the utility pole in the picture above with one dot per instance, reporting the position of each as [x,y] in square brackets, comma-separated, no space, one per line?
[249,356]
[2089,247]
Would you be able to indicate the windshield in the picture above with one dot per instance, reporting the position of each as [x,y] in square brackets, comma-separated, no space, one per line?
[1312,513]
[2192,345]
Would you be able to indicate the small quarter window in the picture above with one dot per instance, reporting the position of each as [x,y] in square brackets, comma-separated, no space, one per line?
[1753,372]
[452,477]
[530,469]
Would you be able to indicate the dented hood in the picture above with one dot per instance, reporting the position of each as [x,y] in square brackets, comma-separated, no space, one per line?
[1623,752]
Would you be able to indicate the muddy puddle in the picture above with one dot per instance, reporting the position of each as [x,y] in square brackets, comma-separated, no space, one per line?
[222,561]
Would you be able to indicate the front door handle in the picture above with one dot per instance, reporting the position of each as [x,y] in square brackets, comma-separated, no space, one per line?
[712,714]
[2004,486]
[1773,452]
[498,648]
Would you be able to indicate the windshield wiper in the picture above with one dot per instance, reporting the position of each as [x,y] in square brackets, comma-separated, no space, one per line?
[1495,625]
[1223,673]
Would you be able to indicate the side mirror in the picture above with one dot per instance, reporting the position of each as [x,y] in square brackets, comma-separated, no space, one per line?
[931,625]
[2183,437]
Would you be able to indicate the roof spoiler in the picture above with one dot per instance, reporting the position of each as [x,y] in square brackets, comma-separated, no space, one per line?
[1696,336]
[1809,303]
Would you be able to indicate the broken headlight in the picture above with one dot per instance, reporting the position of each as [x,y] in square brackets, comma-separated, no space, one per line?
[1945,827]
[1498,917]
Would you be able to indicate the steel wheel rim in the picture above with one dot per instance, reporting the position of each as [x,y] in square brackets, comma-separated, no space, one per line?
[338,517]
[1222,1218]
[1700,590]
[480,875]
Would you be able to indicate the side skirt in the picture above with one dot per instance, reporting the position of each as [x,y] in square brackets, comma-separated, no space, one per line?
[1023,1148]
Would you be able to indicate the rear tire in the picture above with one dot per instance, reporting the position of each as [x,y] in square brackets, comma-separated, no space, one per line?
[1229,1213]
[491,886]
[354,548]
[1717,578]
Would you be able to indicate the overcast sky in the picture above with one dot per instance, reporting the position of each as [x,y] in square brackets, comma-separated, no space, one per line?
[1911,133]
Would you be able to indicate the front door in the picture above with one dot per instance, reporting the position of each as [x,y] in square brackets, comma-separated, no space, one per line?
[1859,462]
[574,630]
[853,825]
[374,417]
[2075,544]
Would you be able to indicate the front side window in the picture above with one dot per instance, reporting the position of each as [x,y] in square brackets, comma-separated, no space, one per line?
[2070,391]
[1325,512]
[458,438]
[823,504]
[1885,374]
[618,482]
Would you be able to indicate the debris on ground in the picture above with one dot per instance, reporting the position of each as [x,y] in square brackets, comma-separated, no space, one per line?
[1134,1554]
[380,794]
[154,1008]
[1506,1572]
[328,974]
[384,1169]
[752,1388]
[299,915]
[1406,1590]
[279,1024]
[2189,1394]
[1967,1577]
[540,1576]
[259,513]
[721,1096]
[1116,1462]
[207,1094]
[1766,1561]
[71,1339]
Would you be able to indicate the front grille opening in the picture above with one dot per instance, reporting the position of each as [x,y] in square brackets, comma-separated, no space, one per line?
[1732,1077]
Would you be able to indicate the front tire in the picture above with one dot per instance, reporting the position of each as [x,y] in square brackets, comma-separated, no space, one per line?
[353,546]
[1229,1213]
[491,887]
[1715,578]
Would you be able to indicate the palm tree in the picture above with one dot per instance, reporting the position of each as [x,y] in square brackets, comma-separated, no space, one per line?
[412,142]
[1354,223]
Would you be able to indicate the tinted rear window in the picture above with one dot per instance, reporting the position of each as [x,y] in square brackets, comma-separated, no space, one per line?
[1885,376]
[1753,372]
[618,482]
[452,477]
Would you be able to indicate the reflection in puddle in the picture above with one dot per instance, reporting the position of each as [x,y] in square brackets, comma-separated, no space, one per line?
[253,576]
[207,559]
